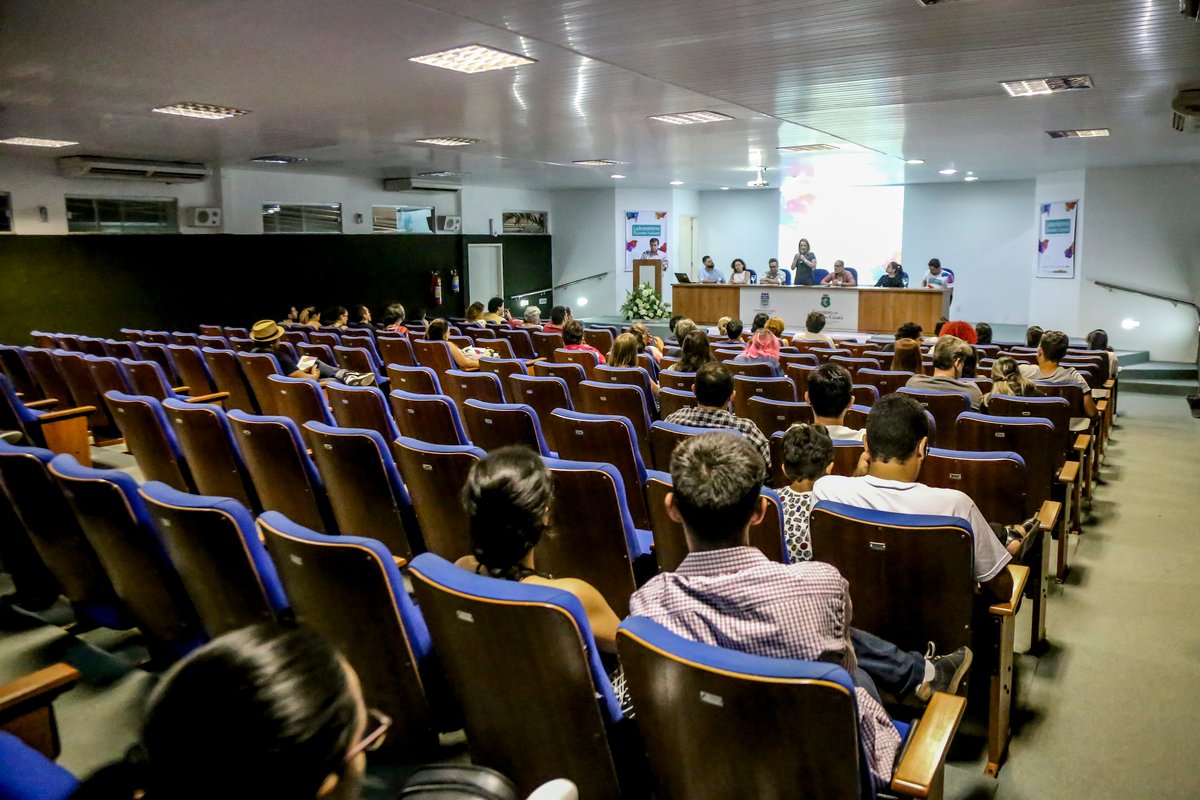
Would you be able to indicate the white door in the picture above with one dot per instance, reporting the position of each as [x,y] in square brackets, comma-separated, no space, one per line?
[684,253]
[485,271]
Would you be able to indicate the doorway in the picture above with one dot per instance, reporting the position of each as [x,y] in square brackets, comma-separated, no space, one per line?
[685,248]
[485,272]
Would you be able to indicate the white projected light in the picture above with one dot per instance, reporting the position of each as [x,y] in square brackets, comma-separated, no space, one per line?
[582,301]
[1130,324]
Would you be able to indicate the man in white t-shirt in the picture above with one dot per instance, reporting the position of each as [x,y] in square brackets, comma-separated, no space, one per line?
[829,395]
[655,253]
[894,448]
[814,323]
[936,277]
[1051,349]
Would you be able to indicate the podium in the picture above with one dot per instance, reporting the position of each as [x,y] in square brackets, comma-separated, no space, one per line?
[654,265]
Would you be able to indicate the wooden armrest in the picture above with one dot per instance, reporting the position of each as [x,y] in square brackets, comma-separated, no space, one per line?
[51,417]
[36,689]
[1020,574]
[207,398]
[1082,442]
[1047,515]
[1110,383]
[401,561]
[1069,472]
[181,389]
[924,757]
[1101,406]
[49,402]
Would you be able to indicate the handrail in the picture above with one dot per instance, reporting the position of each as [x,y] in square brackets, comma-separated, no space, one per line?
[1156,296]
[562,285]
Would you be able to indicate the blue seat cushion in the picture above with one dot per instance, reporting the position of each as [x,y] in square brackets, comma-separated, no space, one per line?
[26,774]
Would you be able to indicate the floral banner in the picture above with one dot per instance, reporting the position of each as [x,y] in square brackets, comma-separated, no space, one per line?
[1056,240]
[645,237]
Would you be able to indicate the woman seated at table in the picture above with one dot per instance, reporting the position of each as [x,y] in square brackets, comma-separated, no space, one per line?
[738,274]
[892,277]
[436,332]
[763,348]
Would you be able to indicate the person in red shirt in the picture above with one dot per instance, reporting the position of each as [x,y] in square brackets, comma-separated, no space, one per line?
[558,316]
[572,334]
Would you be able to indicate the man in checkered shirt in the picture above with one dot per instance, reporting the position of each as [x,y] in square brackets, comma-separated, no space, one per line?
[730,595]
[714,388]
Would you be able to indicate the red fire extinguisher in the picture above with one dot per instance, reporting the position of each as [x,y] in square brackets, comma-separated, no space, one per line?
[436,288]
[454,281]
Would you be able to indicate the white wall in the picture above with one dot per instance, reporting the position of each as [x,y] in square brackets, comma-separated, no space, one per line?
[582,244]
[483,203]
[985,232]
[1054,302]
[740,224]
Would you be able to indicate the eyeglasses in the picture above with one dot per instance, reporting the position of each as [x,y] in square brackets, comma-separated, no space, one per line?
[375,738]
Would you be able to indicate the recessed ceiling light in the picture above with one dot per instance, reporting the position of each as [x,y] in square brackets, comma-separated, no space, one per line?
[617,177]
[915,161]
[599,162]
[201,111]
[443,174]
[692,117]
[677,183]
[1036,86]
[448,141]
[971,178]
[473,58]
[30,142]
[724,188]
[278,159]
[808,148]
[947,171]
[1089,133]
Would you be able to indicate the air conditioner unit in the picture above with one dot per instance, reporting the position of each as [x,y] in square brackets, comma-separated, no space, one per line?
[418,185]
[1190,8]
[204,217]
[129,169]
[449,224]
[1186,111]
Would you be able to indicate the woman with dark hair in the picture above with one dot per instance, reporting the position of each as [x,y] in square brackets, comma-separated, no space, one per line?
[507,499]
[1098,340]
[292,317]
[437,332]
[759,322]
[1033,336]
[694,352]
[260,712]
[572,334]
[983,332]
[647,342]
[738,274]
[310,316]
[360,317]
[763,348]
[336,317]
[892,277]
[907,357]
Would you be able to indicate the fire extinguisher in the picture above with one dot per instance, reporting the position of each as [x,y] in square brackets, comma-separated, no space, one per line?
[436,288]
[454,281]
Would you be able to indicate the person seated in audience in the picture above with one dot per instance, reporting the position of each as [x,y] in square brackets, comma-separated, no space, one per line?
[937,332]
[1098,340]
[263,711]
[814,323]
[763,348]
[647,342]
[438,331]
[907,357]
[559,315]
[829,395]
[983,333]
[714,391]
[892,277]
[268,338]
[776,326]
[1051,350]
[720,331]
[936,277]
[572,334]
[310,316]
[728,594]
[963,330]
[507,498]
[738,274]
[361,318]
[759,322]
[393,318]
[840,276]
[671,324]
[807,454]
[1033,336]
[335,317]
[624,353]
[497,314]
[418,316]
[533,317]
[909,330]
[774,276]
[733,332]
[291,318]
[1008,380]
[893,451]
[694,353]
[971,362]
[709,272]
[683,327]
[474,312]
[949,354]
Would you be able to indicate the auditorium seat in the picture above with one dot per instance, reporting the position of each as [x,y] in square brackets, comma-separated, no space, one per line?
[78,374]
[767,388]
[213,342]
[807,359]
[599,338]
[671,400]
[434,475]
[14,363]
[150,439]
[630,376]
[44,370]
[365,339]
[242,345]
[756,369]
[544,395]
[612,439]
[299,399]
[228,376]
[415,379]
[673,379]
[63,431]
[776,415]
[321,352]
[435,355]
[396,350]
[27,769]
[622,401]
[584,358]
[854,364]
[330,337]
[495,425]
[826,353]
[945,408]
[863,394]
[360,407]
[257,367]
[799,374]
[191,369]
[664,438]
[461,386]
[430,418]
[358,359]
[148,378]
[502,368]
[885,380]
[546,344]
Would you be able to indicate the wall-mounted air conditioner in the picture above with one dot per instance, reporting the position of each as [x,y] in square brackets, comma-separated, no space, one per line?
[418,185]
[129,169]
[449,224]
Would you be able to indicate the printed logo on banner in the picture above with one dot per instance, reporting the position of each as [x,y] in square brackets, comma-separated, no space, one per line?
[764,299]
[826,301]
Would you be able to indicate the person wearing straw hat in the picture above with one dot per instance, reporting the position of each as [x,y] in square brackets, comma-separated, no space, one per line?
[267,335]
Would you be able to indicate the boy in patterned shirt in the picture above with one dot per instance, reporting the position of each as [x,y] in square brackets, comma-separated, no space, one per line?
[807,454]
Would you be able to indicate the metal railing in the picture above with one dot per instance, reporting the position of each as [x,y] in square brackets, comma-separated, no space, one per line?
[561,285]
[1175,301]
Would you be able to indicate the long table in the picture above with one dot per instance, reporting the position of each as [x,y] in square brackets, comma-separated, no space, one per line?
[864,309]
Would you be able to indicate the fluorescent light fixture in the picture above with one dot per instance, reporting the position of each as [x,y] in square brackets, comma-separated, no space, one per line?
[915,161]
[473,58]
[808,148]
[1037,86]
[448,141]
[200,110]
[677,183]
[1130,324]
[692,117]
[443,174]
[616,177]
[27,141]
[582,301]
[947,171]
[599,162]
[1086,133]
[724,188]
[278,159]
[970,178]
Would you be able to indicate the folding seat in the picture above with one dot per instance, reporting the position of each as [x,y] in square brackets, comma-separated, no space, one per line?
[66,341]
[360,407]
[593,537]
[856,348]
[295,336]
[746,387]
[826,353]
[366,493]
[40,509]
[863,394]
[279,466]
[150,439]
[1088,429]
[799,374]
[846,455]
[191,368]
[557,723]
[853,365]
[415,380]
[671,400]
[672,379]
[875,551]
[161,355]
[215,549]
[622,401]
[664,438]
[14,363]
[984,384]
[545,344]
[435,355]
[599,338]
[544,396]
[206,440]
[461,341]
[43,339]
[884,357]
[495,425]
[148,378]
[808,345]
[132,334]
[257,367]
[63,431]
[945,408]
[228,376]
[573,374]
[610,439]
[210,330]
[670,545]
[242,345]
[434,475]
[886,381]
[321,352]
[91,346]
[766,713]
[502,347]
[117,526]
[77,373]
[364,339]
[757,369]
[330,337]
[299,399]
[432,418]
[988,350]
[108,374]
[358,359]
[584,358]
[396,350]
[461,386]
[1025,357]
[630,376]
[805,359]
[183,338]
[44,369]
[213,342]
[776,415]
[234,332]
[349,590]
[647,362]
[502,368]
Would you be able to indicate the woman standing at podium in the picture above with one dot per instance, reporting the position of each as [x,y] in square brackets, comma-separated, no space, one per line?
[803,264]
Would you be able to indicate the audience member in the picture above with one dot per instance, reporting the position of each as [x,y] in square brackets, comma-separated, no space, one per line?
[1051,349]
[497,314]
[733,331]
[624,353]
[292,317]
[559,315]
[1033,336]
[1008,380]
[438,331]
[572,334]
[360,318]
[936,277]
[892,277]
[721,323]
[694,353]
[774,276]
[963,330]
[738,274]
[683,327]
[814,323]
[829,394]
[1098,340]
[983,333]
[909,330]
[647,342]
[807,454]
[263,711]
[418,316]
[937,329]
[268,338]
[671,324]
[310,316]
[840,276]
[335,317]
[776,326]
[763,348]
[714,390]
[949,354]
[907,357]
[474,312]
[709,273]
[393,318]
[971,362]
[759,322]
[532,317]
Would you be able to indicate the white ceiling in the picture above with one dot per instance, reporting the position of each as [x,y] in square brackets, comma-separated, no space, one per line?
[885,79]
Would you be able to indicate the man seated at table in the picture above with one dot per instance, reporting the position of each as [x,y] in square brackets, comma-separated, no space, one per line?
[950,355]
[710,273]
[840,276]
[774,276]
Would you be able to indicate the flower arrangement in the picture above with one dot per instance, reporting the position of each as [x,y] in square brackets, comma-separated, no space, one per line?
[644,303]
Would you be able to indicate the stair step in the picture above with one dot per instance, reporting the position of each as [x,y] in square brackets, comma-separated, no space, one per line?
[1159,370]
[1174,387]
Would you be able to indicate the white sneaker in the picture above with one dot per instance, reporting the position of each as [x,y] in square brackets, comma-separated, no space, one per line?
[358,379]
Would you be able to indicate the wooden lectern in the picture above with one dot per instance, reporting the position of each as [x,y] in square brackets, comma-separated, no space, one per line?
[654,265]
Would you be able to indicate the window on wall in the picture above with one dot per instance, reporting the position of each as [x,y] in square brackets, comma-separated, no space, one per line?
[6,222]
[402,219]
[122,215]
[302,218]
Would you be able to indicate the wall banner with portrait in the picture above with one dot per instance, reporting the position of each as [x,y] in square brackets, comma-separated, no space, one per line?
[645,237]
[1056,239]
